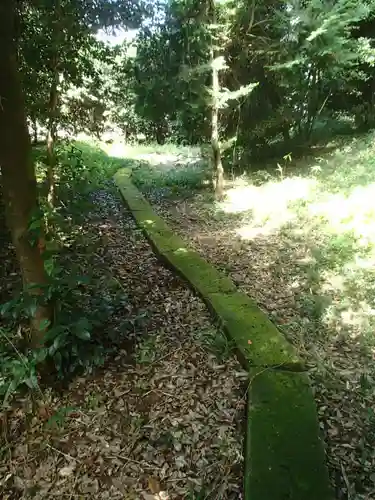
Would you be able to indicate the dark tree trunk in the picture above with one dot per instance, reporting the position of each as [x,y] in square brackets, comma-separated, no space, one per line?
[160,133]
[18,174]
[286,134]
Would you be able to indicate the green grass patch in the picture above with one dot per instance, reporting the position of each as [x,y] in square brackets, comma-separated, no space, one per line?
[182,177]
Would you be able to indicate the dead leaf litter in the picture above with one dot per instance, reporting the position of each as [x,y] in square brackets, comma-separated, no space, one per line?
[164,422]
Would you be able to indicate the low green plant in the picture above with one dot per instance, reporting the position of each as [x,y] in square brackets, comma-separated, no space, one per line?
[58,419]
[216,342]
[17,368]
[146,350]
[93,400]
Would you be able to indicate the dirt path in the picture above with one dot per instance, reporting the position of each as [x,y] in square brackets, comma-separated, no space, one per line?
[162,419]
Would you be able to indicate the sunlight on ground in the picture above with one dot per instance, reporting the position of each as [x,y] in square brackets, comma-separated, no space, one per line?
[328,212]
[162,157]
[275,203]
[269,204]
[355,213]
[117,149]
[321,218]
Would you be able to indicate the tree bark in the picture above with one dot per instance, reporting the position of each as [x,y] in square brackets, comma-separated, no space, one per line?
[215,143]
[18,174]
[218,170]
[51,137]
[286,134]
[35,132]
[53,106]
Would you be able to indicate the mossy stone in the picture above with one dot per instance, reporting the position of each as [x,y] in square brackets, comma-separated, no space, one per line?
[122,176]
[285,457]
[131,195]
[203,277]
[257,338]
[283,451]
[164,240]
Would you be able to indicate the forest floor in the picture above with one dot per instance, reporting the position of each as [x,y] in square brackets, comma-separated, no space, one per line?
[163,418]
[299,238]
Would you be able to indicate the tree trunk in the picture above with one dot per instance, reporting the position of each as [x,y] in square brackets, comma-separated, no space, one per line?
[217,165]
[35,132]
[218,170]
[160,134]
[18,174]
[53,106]
[286,134]
[51,137]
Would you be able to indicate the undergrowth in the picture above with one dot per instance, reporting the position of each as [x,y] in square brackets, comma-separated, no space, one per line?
[84,299]
[183,177]
[316,216]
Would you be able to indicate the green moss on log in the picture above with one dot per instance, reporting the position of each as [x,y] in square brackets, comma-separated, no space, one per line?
[285,457]
[203,277]
[132,196]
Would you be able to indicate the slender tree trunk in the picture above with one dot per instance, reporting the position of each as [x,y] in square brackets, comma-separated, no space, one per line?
[215,143]
[286,134]
[35,131]
[53,107]
[51,137]
[218,170]
[18,174]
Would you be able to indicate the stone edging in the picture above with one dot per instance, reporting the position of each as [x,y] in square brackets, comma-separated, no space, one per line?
[284,455]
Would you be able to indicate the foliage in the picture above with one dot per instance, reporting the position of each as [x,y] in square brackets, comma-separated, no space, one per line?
[320,54]
[311,60]
[16,369]
[64,44]
[286,67]
[73,343]
[289,73]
